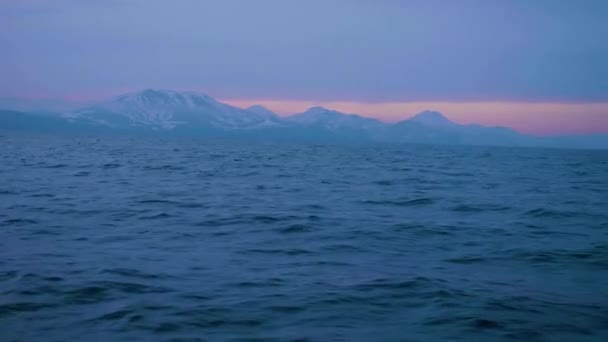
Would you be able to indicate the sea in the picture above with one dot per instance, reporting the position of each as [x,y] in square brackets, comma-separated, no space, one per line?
[154,238]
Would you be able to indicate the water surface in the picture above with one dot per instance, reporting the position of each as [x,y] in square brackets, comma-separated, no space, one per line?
[110,238]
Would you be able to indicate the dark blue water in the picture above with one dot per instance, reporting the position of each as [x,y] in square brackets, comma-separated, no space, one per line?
[113,239]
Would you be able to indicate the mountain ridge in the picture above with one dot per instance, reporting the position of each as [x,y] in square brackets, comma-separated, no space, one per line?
[153,110]
[166,109]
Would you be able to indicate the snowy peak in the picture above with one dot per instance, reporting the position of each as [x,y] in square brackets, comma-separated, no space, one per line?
[431,118]
[321,114]
[163,98]
[167,109]
[194,113]
[261,110]
[318,109]
[318,114]
[333,120]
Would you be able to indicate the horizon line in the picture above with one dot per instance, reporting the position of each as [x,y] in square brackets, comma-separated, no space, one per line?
[528,117]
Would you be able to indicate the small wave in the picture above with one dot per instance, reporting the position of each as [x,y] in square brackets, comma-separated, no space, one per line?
[227,221]
[42,195]
[296,228]
[331,263]
[266,219]
[479,208]
[425,229]
[133,273]
[37,277]
[190,205]
[156,216]
[163,168]
[87,295]
[114,315]
[467,260]
[45,232]
[595,256]
[382,283]
[550,233]
[547,213]
[384,182]
[466,208]
[482,323]
[287,309]
[280,251]
[19,307]
[56,166]
[8,275]
[17,222]
[200,322]
[248,219]
[314,207]
[273,282]
[403,202]
[155,201]
[111,166]
[179,204]
[103,288]
[342,247]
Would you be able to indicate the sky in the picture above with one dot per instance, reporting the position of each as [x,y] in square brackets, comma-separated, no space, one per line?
[538,66]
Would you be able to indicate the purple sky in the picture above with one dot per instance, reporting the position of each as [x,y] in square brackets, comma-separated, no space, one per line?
[539,66]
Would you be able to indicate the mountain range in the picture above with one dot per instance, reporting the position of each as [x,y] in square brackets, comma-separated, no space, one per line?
[189,113]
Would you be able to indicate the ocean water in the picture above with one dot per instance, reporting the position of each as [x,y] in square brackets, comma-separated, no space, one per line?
[115,238]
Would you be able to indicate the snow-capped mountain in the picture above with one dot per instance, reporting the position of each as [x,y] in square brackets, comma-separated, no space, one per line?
[168,110]
[261,110]
[434,128]
[200,115]
[329,124]
[333,120]
[432,118]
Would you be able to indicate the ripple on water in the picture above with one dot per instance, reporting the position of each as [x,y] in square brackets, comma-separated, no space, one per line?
[10,309]
[156,216]
[279,251]
[134,273]
[296,228]
[548,213]
[147,239]
[164,168]
[111,166]
[404,202]
[8,275]
[467,208]
[18,222]
[56,166]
